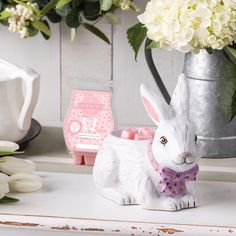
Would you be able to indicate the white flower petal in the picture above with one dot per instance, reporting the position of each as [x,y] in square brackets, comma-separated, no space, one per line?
[24,183]
[8,146]
[4,189]
[11,165]
[4,178]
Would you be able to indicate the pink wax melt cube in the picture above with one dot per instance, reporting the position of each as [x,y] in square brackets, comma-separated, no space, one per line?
[138,133]
[143,136]
[129,133]
[147,131]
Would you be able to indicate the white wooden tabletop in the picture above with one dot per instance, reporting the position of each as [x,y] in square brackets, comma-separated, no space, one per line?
[69,203]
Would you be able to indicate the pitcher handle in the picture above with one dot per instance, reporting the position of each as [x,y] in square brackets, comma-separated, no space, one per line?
[31,79]
[155,74]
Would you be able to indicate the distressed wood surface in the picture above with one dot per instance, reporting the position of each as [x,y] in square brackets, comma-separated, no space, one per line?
[69,203]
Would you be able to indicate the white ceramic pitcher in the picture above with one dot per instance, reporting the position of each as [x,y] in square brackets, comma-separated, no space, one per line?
[15,109]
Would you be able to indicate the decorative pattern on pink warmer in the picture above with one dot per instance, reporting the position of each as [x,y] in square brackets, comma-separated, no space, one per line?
[88,121]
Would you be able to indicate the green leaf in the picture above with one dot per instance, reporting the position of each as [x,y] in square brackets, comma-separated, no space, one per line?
[72,19]
[112,18]
[8,153]
[4,15]
[105,5]
[231,53]
[43,34]
[153,44]
[53,16]
[63,11]
[91,9]
[1,5]
[96,31]
[233,104]
[51,4]
[4,22]
[233,46]
[209,50]
[34,9]
[6,199]
[136,36]
[32,31]
[41,26]
[62,3]
[41,3]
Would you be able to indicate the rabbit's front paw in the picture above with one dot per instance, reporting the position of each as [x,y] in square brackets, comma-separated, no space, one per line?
[189,201]
[119,196]
[126,198]
[177,204]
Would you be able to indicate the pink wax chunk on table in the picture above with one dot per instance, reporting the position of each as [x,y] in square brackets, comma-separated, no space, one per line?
[138,133]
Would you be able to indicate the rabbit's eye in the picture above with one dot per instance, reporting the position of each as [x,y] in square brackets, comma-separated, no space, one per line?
[163,140]
[195,139]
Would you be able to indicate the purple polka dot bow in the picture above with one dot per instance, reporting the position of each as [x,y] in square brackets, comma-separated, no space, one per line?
[174,182]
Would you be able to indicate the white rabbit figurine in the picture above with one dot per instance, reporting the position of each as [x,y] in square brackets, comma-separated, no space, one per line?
[158,174]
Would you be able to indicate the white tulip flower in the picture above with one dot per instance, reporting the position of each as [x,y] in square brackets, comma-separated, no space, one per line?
[4,186]
[11,165]
[4,177]
[24,183]
[8,146]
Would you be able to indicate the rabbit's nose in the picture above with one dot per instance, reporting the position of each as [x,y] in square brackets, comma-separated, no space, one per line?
[185,155]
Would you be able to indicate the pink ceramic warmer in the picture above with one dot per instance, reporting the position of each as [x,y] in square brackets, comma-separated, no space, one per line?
[88,121]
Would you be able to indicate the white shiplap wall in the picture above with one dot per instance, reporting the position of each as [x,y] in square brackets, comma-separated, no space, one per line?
[44,57]
[59,61]
[129,74]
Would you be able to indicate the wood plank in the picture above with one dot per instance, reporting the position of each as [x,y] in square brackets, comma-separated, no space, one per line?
[69,202]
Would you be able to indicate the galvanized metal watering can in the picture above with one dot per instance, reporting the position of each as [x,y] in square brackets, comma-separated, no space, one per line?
[211,78]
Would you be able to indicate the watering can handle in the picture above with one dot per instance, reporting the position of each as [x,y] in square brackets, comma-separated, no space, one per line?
[31,80]
[153,69]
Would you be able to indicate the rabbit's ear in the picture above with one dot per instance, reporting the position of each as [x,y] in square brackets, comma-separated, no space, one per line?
[180,98]
[156,107]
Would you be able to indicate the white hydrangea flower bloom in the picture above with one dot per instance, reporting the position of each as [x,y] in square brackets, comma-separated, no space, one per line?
[190,25]
[19,19]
